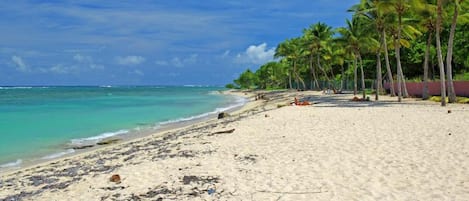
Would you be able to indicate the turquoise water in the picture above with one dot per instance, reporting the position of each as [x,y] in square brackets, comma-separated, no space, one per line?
[37,122]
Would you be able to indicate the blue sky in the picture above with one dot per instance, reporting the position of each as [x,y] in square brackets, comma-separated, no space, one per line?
[148,42]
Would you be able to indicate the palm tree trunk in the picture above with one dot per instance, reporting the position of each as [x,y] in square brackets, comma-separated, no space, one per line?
[313,72]
[449,57]
[289,80]
[399,79]
[425,93]
[379,78]
[440,56]
[400,75]
[323,71]
[298,78]
[388,66]
[296,75]
[301,80]
[362,76]
[355,86]
[342,81]
[405,94]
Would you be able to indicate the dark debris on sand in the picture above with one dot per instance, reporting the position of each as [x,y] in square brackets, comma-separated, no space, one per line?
[60,175]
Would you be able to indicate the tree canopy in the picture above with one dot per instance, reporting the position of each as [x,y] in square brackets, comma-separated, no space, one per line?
[398,33]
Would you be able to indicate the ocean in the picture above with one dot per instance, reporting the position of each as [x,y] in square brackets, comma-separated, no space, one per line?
[40,123]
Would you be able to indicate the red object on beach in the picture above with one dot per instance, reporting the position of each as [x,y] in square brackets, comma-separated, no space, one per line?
[301,103]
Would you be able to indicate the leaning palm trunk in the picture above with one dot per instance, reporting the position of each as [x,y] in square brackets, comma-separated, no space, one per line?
[296,75]
[313,72]
[405,94]
[323,71]
[399,79]
[378,75]
[342,80]
[440,56]
[301,81]
[298,78]
[355,86]
[362,76]
[400,74]
[388,66]
[425,93]
[449,57]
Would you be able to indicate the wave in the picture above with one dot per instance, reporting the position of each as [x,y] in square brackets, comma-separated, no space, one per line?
[95,139]
[16,87]
[23,87]
[57,155]
[238,103]
[17,163]
[195,85]
[215,93]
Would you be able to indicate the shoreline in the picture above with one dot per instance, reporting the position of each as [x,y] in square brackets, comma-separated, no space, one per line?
[336,149]
[70,150]
[162,131]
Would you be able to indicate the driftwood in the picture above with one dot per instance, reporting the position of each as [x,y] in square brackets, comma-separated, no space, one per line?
[108,141]
[356,99]
[222,132]
[83,146]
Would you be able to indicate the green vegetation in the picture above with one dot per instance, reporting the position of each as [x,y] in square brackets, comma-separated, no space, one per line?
[462,76]
[463,100]
[386,40]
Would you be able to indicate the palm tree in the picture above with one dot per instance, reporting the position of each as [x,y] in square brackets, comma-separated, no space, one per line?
[351,45]
[449,54]
[400,8]
[310,50]
[292,51]
[427,24]
[318,36]
[338,57]
[438,50]
[283,50]
[358,40]
[368,10]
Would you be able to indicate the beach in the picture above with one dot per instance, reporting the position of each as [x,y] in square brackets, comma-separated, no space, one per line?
[334,149]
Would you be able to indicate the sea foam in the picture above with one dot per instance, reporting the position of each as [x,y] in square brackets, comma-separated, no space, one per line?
[94,139]
[60,154]
[237,103]
[17,163]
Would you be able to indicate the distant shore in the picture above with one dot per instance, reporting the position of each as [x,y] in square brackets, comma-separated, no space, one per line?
[335,149]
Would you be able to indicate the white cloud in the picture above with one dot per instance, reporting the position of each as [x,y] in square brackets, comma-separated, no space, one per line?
[81,58]
[20,65]
[88,61]
[139,72]
[256,54]
[60,69]
[130,60]
[227,52]
[178,62]
[161,63]
[96,66]
[191,59]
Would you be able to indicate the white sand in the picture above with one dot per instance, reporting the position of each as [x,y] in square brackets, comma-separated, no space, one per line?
[333,150]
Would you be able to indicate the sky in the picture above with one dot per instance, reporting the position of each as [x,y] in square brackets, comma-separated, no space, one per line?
[149,42]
